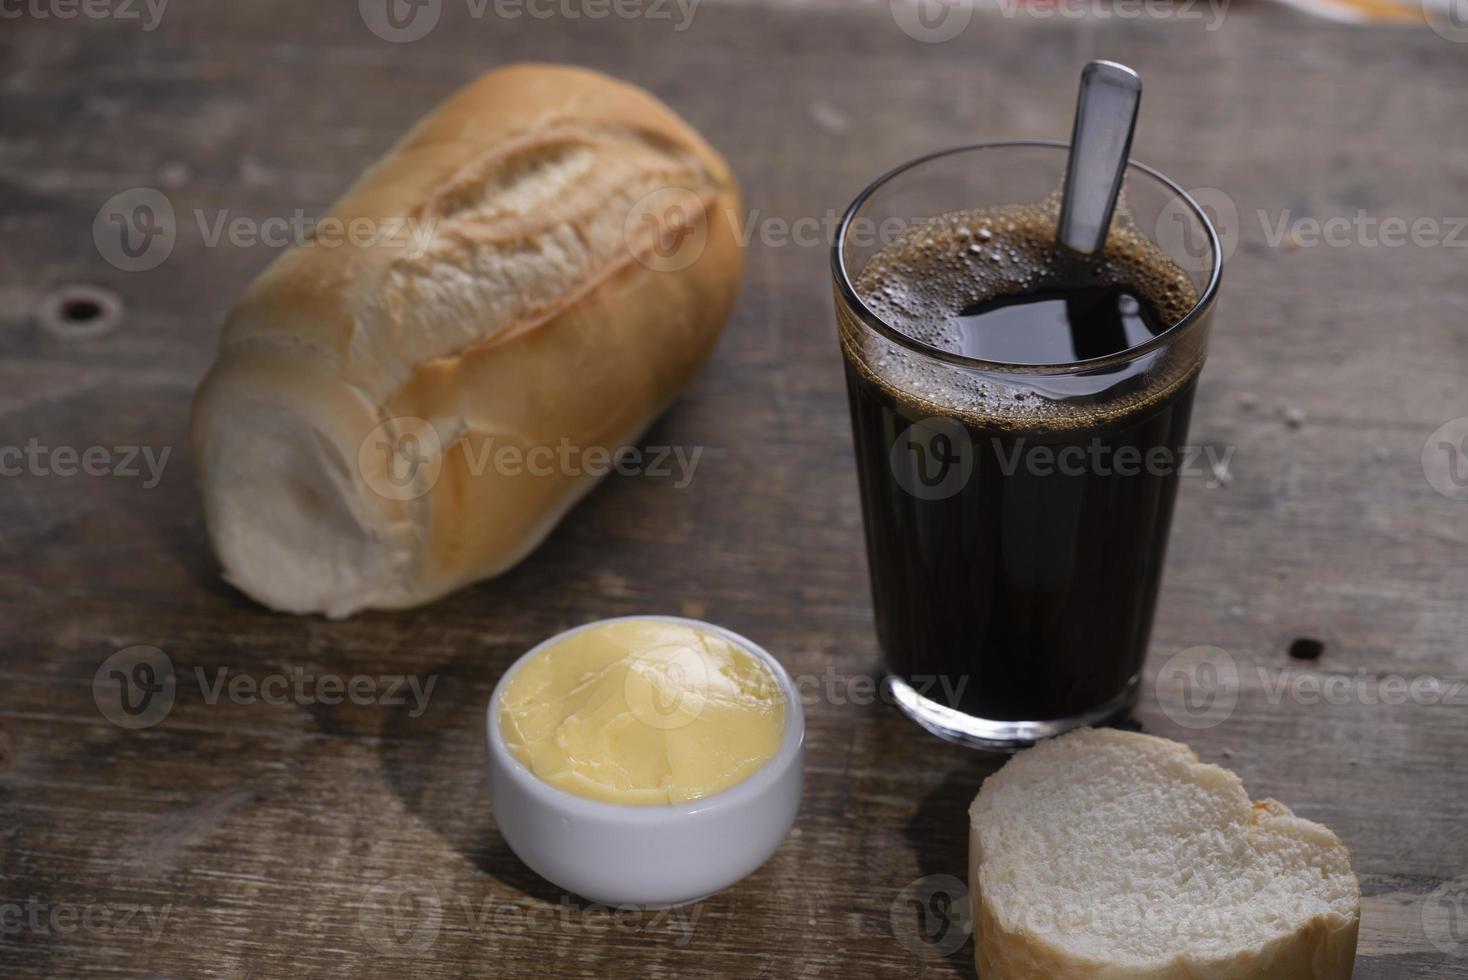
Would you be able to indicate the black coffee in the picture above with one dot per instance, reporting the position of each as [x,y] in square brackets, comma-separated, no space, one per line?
[1057,325]
[1016,537]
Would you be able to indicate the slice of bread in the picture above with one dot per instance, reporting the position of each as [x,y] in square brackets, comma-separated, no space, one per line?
[1108,854]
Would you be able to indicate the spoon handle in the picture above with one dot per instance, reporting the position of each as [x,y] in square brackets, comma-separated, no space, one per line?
[1106,117]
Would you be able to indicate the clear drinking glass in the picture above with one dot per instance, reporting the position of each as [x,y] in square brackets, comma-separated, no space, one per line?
[1016,515]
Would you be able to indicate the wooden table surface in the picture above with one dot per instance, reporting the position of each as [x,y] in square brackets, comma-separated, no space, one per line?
[240,838]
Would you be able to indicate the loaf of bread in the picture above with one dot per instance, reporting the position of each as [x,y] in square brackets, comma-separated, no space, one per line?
[1108,854]
[516,290]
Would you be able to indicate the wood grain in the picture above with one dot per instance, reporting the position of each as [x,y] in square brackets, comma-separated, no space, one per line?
[356,840]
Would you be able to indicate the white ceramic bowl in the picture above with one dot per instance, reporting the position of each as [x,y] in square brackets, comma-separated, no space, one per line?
[648,856]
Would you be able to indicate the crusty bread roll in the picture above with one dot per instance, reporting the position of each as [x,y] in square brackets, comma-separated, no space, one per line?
[1108,854]
[558,257]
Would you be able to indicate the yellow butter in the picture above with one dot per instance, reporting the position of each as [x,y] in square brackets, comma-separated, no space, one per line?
[643,712]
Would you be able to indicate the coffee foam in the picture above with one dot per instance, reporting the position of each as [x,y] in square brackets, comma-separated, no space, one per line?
[919,283]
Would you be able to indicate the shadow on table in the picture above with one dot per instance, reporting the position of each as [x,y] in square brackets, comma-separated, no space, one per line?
[435,764]
[938,836]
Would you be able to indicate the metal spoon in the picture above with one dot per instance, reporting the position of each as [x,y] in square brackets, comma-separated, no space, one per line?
[1106,117]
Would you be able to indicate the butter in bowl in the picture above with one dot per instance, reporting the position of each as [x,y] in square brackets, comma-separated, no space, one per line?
[645,761]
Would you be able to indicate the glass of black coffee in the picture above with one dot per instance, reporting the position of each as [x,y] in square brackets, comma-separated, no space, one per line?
[1019,412]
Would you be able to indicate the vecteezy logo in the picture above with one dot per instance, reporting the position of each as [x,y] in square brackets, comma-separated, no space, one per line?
[667,686]
[1447,18]
[666,230]
[401,458]
[1198,687]
[400,21]
[135,230]
[932,916]
[1445,917]
[933,459]
[401,916]
[1181,237]
[932,21]
[134,688]
[1445,459]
